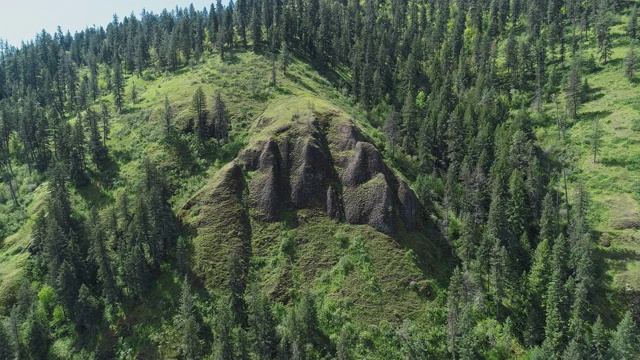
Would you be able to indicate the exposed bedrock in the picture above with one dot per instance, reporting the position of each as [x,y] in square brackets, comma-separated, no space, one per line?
[301,167]
[370,203]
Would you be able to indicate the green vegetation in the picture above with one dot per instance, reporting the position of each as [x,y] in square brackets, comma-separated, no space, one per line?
[322,179]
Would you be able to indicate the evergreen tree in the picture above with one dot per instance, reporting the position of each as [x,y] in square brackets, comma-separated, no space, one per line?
[624,344]
[236,280]
[220,127]
[241,351]
[220,42]
[187,324]
[599,341]
[574,89]
[118,86]
[223,348]
[256,26]
[632,26]
[630,62]
[67,287]
[87,311]
[392,130]
[35,338]
[105,125]
[99,153]
[262,333]
[555,304]
[199,107]
[77,159]
[134,93]
[573,351]
[6,350]
[284,57]
[596,138]
[602,29]
[100,256]
[548,224]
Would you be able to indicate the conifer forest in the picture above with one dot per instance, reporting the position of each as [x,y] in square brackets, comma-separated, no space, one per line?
[325,179]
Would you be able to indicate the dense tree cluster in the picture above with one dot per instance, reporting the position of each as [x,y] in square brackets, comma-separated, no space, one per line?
[459,84]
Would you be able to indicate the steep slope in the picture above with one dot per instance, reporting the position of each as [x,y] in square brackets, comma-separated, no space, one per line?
[612,180]
[302,202]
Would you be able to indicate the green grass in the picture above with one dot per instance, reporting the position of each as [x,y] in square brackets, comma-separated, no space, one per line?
[357,274]
[613,181]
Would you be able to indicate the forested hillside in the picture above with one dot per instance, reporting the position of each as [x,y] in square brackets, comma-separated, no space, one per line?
[316,179]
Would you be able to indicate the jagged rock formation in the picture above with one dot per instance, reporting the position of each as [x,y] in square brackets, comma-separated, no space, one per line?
[326,163]
[323,164]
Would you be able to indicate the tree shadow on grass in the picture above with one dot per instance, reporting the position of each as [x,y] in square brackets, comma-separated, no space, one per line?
[590,116]
[624,163]
[296,79]
[593,94]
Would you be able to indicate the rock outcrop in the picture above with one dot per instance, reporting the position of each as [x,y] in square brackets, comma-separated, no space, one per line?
[324,165]
[300,166]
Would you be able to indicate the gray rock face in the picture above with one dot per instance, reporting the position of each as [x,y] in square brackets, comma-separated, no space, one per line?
[265,192]
[409,204]
[334,208]
[370,203]
[309,175]
[363,166]
[294,168]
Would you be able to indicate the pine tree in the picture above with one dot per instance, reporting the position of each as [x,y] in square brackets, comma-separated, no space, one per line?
[262,333]
[199,107]
[548,224]
[221,124]
[256,26]
[284,57]
[222,331]
[98,252]
[105,125]
[77,159]
[6,350]
[35,338]
[454,298]
[187,324]
[596,138]
[602,29]
[134,93]
[67,287]
[99,153]
[392,130]
[598,340]
[118,85]
[237,282]
[574,350]
[632,26]
[346,342]
[87,311]
[630,62]
[574,89]
[624,344]
[220,40]
[555,304]
[241,351]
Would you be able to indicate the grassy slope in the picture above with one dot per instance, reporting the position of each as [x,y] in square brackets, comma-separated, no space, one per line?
[613,181]
[336,261]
